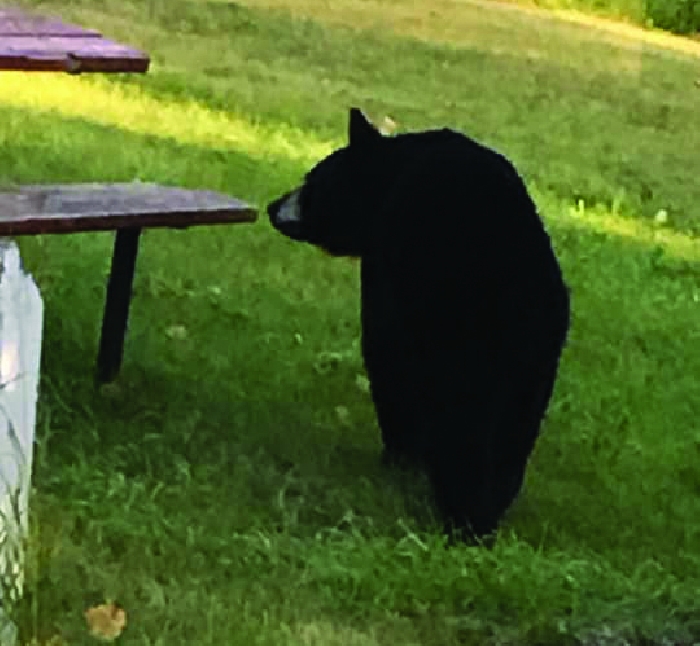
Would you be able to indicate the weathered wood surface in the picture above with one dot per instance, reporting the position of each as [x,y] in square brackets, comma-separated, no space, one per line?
[31,42]
[74,208]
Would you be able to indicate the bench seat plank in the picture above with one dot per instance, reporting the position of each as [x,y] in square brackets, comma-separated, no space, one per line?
[75,208]
[69,54]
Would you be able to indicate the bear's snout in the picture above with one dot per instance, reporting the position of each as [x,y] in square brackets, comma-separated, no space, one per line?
[285,215]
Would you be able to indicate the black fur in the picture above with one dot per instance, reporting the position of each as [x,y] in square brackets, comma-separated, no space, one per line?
[465,312]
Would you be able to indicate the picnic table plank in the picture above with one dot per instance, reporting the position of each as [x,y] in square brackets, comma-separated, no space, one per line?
[30,42]
[74,208]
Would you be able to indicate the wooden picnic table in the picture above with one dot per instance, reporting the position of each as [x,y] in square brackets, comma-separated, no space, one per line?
[29,42]
[127,209]
[33,43]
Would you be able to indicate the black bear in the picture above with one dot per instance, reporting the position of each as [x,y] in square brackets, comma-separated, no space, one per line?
[465,312]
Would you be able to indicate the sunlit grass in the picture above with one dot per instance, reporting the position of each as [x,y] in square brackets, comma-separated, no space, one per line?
[132,110]
[656,234]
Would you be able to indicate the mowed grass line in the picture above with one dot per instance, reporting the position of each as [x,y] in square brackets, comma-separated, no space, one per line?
[229,490]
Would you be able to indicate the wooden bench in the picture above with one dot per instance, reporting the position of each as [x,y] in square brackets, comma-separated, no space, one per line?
[126,209]
[33,43]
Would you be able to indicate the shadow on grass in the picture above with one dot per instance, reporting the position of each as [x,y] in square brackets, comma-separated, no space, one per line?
[264,364]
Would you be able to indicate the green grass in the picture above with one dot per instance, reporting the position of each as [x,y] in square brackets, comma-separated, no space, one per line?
[228,490]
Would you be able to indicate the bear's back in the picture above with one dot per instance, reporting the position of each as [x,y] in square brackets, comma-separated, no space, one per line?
[458,198]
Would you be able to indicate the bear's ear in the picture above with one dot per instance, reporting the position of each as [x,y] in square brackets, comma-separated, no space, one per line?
[360,130]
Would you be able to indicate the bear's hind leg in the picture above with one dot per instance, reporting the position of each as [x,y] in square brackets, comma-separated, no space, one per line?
[461,468]
[529,402]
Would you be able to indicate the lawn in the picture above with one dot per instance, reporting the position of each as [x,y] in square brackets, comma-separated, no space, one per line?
[228,489]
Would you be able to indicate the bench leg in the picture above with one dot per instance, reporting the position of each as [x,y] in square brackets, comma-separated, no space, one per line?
[116,312]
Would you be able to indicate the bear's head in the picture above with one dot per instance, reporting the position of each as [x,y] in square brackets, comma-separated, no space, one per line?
[332,208]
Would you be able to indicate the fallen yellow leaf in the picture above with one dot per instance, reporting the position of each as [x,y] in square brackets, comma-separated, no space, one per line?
[106,621]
